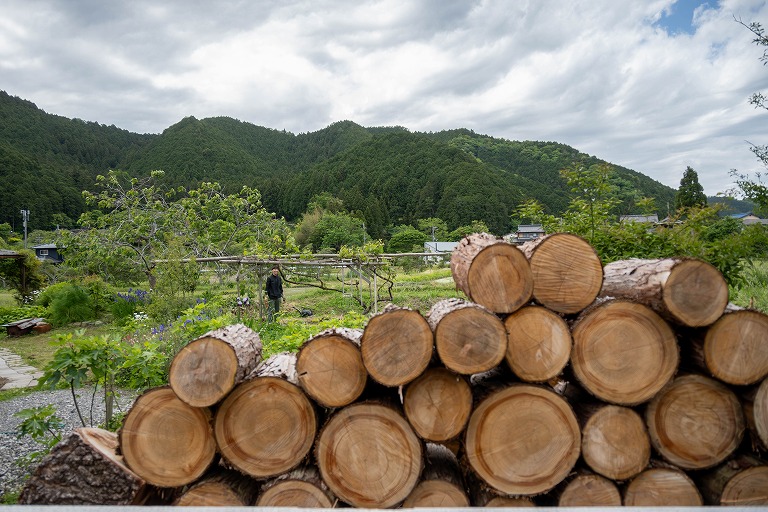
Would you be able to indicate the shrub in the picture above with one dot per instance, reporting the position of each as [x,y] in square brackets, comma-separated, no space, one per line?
[69,304]
[8,315]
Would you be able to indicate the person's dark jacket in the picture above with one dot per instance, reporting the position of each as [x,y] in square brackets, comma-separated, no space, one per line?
[274,287]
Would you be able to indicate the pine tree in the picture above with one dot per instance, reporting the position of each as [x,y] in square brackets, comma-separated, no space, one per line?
[690,193]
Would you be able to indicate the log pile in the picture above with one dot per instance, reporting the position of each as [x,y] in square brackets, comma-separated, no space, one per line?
[559,382]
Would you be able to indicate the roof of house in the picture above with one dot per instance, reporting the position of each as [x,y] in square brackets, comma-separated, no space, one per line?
[45,246]
[7,253]
[440,246]
[530,228]
[639,218]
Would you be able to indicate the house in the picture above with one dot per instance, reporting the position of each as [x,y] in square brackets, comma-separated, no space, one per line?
[749,218]
[646,219]
[526,232]
[48,252]
[439,248]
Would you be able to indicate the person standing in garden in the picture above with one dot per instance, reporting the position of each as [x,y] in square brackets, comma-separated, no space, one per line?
[274,291]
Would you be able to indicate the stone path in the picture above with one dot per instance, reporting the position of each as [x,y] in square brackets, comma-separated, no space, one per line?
[14,373]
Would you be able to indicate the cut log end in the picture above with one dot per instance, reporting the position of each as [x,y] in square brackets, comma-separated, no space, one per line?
[590,491]
[294,493]
[747,488]
[438,404]
[500,278]
[695,293]
[330,369]
[662,487]
[615,443]
[436,493]
[203,372]
[538,343]
[735,347]
[523,440]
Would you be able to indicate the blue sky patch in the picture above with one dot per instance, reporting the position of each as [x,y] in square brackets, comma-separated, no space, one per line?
[679,18]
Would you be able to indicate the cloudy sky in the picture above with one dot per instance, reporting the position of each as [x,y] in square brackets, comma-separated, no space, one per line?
[653,85]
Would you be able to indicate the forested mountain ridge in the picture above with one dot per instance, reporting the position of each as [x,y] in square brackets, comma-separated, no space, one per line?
[388,174]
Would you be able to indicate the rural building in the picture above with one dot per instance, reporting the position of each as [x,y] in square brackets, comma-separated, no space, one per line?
[438,247]
[48,252]
[749,218]
[646,219]
[526,232]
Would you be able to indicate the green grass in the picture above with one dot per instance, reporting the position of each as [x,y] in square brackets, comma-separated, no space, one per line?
[752,291]
[6,299]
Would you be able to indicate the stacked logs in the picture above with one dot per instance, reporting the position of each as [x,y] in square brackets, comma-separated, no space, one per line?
[559,382]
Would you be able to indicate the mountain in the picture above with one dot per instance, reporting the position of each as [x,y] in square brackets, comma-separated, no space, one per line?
[389,174]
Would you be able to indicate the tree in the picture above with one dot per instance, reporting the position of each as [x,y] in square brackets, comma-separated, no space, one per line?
[691,193]
[406,238]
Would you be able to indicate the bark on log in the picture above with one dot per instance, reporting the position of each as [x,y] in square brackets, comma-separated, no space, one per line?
[492,272]
[84,469]
[265,427]
[695,422]
[301,487]
[567,272]
[397,345]
[589,490]
[438,404]
[742,481]
[166,441]
[615,442]
[756,414]
[369,456]
[221,488]
[523,440]
[623,352]
[690,292]
[441,483]
[736,347]
[208,368]
[538,343]
[469,338]
[281,365]
[330,367]
[662,487]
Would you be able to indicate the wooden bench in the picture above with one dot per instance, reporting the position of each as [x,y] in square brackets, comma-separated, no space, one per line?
[24,326]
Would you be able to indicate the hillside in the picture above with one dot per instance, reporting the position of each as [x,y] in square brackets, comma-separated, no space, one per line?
[389,174]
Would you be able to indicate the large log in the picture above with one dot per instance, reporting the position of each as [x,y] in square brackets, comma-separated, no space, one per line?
[492,272]
[369,456]
[166,441]
[756,414]
[662,487]
[397,345]
[208,368]
[615,442]
[84,469]
[523,440]
[695,422]
[441,482]
[438,404]
[222,488]
[742,481]
[469,338]
[623,352]
[330,367]
[589,490]
[538,343]
[265,426]
[689,292]
[301,488]
[567,272]
[736,347]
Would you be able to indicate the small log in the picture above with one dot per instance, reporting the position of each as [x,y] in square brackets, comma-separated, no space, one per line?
[689,292]
[438,404]
[662,487]
[265,426]
[589,490]
[483,495]
[469,338]
[508,501]
[567,272]
[84,469]
[695,422]
[741,481]
[523,440]
[756,414]
[615,442]
[301,488]
[397,345]
[441,483]
[208,368]
[166,441]
[736,347]
[281,365]
[492,272]
[369,456]
[330,367]
[538,343]
[221,488]
[623,353]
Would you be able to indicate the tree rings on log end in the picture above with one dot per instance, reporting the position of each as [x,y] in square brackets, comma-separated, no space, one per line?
[523,440]
[203,372]
[760,412]
[747,488]
[265,427]
[294,493]
[538,343]
[567,272]
[623,352]
[436,493]
[397,346]
[369,456]
[615,443]
[695,422]
[331,370]
[736,347]
[166,441]
[438,404]
[662,487]
[695,293]
[590,491]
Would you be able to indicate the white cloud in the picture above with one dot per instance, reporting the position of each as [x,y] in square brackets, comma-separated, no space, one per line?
[599,75]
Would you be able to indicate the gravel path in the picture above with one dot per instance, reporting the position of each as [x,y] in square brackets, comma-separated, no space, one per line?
[12,475]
